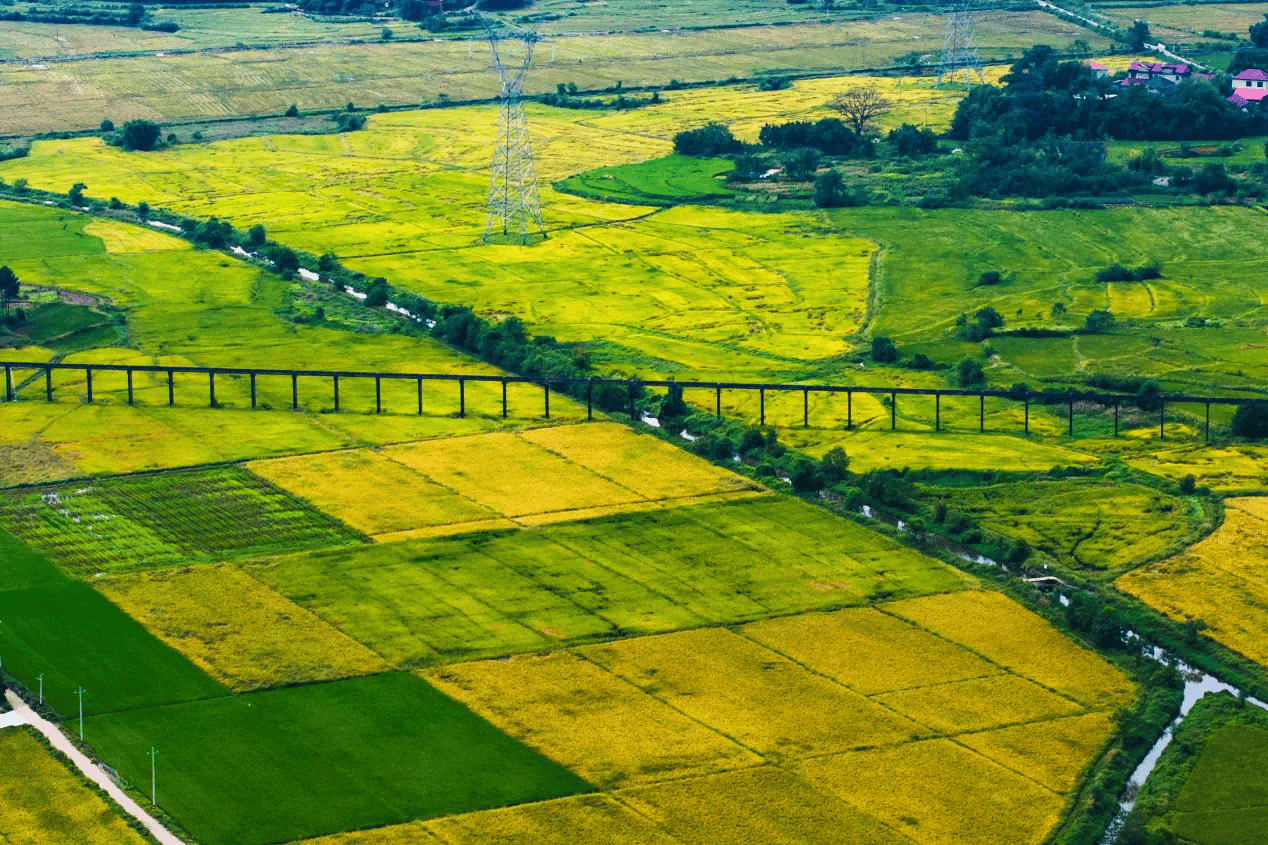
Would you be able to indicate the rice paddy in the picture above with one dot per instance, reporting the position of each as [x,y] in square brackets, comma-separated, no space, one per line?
[1220,580]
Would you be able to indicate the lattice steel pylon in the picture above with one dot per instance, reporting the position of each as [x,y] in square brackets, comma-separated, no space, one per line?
[513,209]
[959,47]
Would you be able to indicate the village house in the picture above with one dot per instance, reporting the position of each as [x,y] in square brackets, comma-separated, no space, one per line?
[1249,86]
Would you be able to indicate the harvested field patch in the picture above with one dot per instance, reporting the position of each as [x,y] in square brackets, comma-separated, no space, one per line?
[44,802]
[595,819]
[237,630]
[748,692]
[154,521]
[869,651]
[1222,580]
[765,805]
[933,793]
[323,758]
[978,703]
[598,725]
[1005,632]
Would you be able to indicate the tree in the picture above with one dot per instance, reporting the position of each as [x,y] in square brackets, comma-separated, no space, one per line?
[1138,36]
[860,107]
[107,125]
[1259,33]
[9,287]
[256,236]
[969,373]
[140,135]
[284,259]
[292,110]
[76,193]
[387,34]
[136,14]
[990,277]
[143,209]
[830,191]
[883,350]
[711,140]
[1100,320]
[1251,421]
[800,165]
[834,465]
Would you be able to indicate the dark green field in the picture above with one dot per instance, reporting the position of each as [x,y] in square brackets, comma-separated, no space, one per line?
[304,761]
[168,519]
[66,631]
[669,180]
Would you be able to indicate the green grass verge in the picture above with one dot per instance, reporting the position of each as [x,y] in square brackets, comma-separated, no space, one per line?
[434,601]
[169,519]
[74,637]
[304,761]
[662,181]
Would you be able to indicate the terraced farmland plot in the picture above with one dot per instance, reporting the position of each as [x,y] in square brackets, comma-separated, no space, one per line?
[796,704]
[164,520]
[1223,580]
[421,602]
[42,802]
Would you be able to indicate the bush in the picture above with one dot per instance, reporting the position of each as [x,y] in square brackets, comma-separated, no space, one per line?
[292,111]
[835,465]
[711,140]
[805,477]
[969,373]
[1251,421]
[140,135]
[989,278]
[884,351]
[1100,320]
[1188,485]
[920,361]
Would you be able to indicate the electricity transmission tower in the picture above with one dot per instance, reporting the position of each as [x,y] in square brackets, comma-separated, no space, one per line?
[514,208]
[959,47]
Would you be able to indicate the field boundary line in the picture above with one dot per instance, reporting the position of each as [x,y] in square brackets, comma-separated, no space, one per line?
[59,741]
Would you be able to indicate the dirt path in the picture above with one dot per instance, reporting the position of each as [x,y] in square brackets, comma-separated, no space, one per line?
[96,775]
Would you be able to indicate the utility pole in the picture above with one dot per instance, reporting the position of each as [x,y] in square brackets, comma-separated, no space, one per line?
[41,680]
[80,693]
[153,780]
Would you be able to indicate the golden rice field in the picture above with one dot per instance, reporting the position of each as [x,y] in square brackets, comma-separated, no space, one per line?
[44,802]
[1232,468]
[822,715]
[237,630]
[37,97]
[1222,580]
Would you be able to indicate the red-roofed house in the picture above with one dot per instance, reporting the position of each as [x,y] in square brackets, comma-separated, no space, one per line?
[1249,86]
[1097,68]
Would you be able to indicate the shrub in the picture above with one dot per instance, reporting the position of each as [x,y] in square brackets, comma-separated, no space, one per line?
[1187,485]
[969,373]
[1100,320]
[883,350]
[805,477]
[1251,421]
[835,465]
[711,140]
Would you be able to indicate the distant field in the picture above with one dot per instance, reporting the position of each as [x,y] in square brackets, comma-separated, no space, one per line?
[262,81]
[794,690]
[1186,22]
[42,802]
[158,521]
[1089,524]
[1230,468]
[459,485]
[500,593]
[1212,580]
[322,758]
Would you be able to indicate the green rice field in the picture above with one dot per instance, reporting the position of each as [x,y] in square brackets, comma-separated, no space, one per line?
[292,763]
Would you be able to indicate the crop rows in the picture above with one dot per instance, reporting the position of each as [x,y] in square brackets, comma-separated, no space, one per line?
[163,520]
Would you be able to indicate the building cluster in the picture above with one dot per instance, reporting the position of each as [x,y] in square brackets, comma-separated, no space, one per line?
[1249,86]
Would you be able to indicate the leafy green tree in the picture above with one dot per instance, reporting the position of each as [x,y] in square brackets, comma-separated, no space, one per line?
[284,259]
[1138,36]
[835,465]
[989,278]
[800,165]
[1099,321]
[1259,33]
[140,135]
[883,350]
[256,236]
[107,125]
[292,110]
[1251,421]
[969,373]
[143,209]
[136,14]
[711,140]
[9,287]
[830,191]
[76,193]
[805,477]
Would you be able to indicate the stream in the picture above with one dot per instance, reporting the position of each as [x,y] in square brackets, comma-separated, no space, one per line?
[1196,682]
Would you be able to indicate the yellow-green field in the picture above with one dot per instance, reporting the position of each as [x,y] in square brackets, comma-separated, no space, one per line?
[1222,580]
[42,802]
[237,630]
[815,744]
